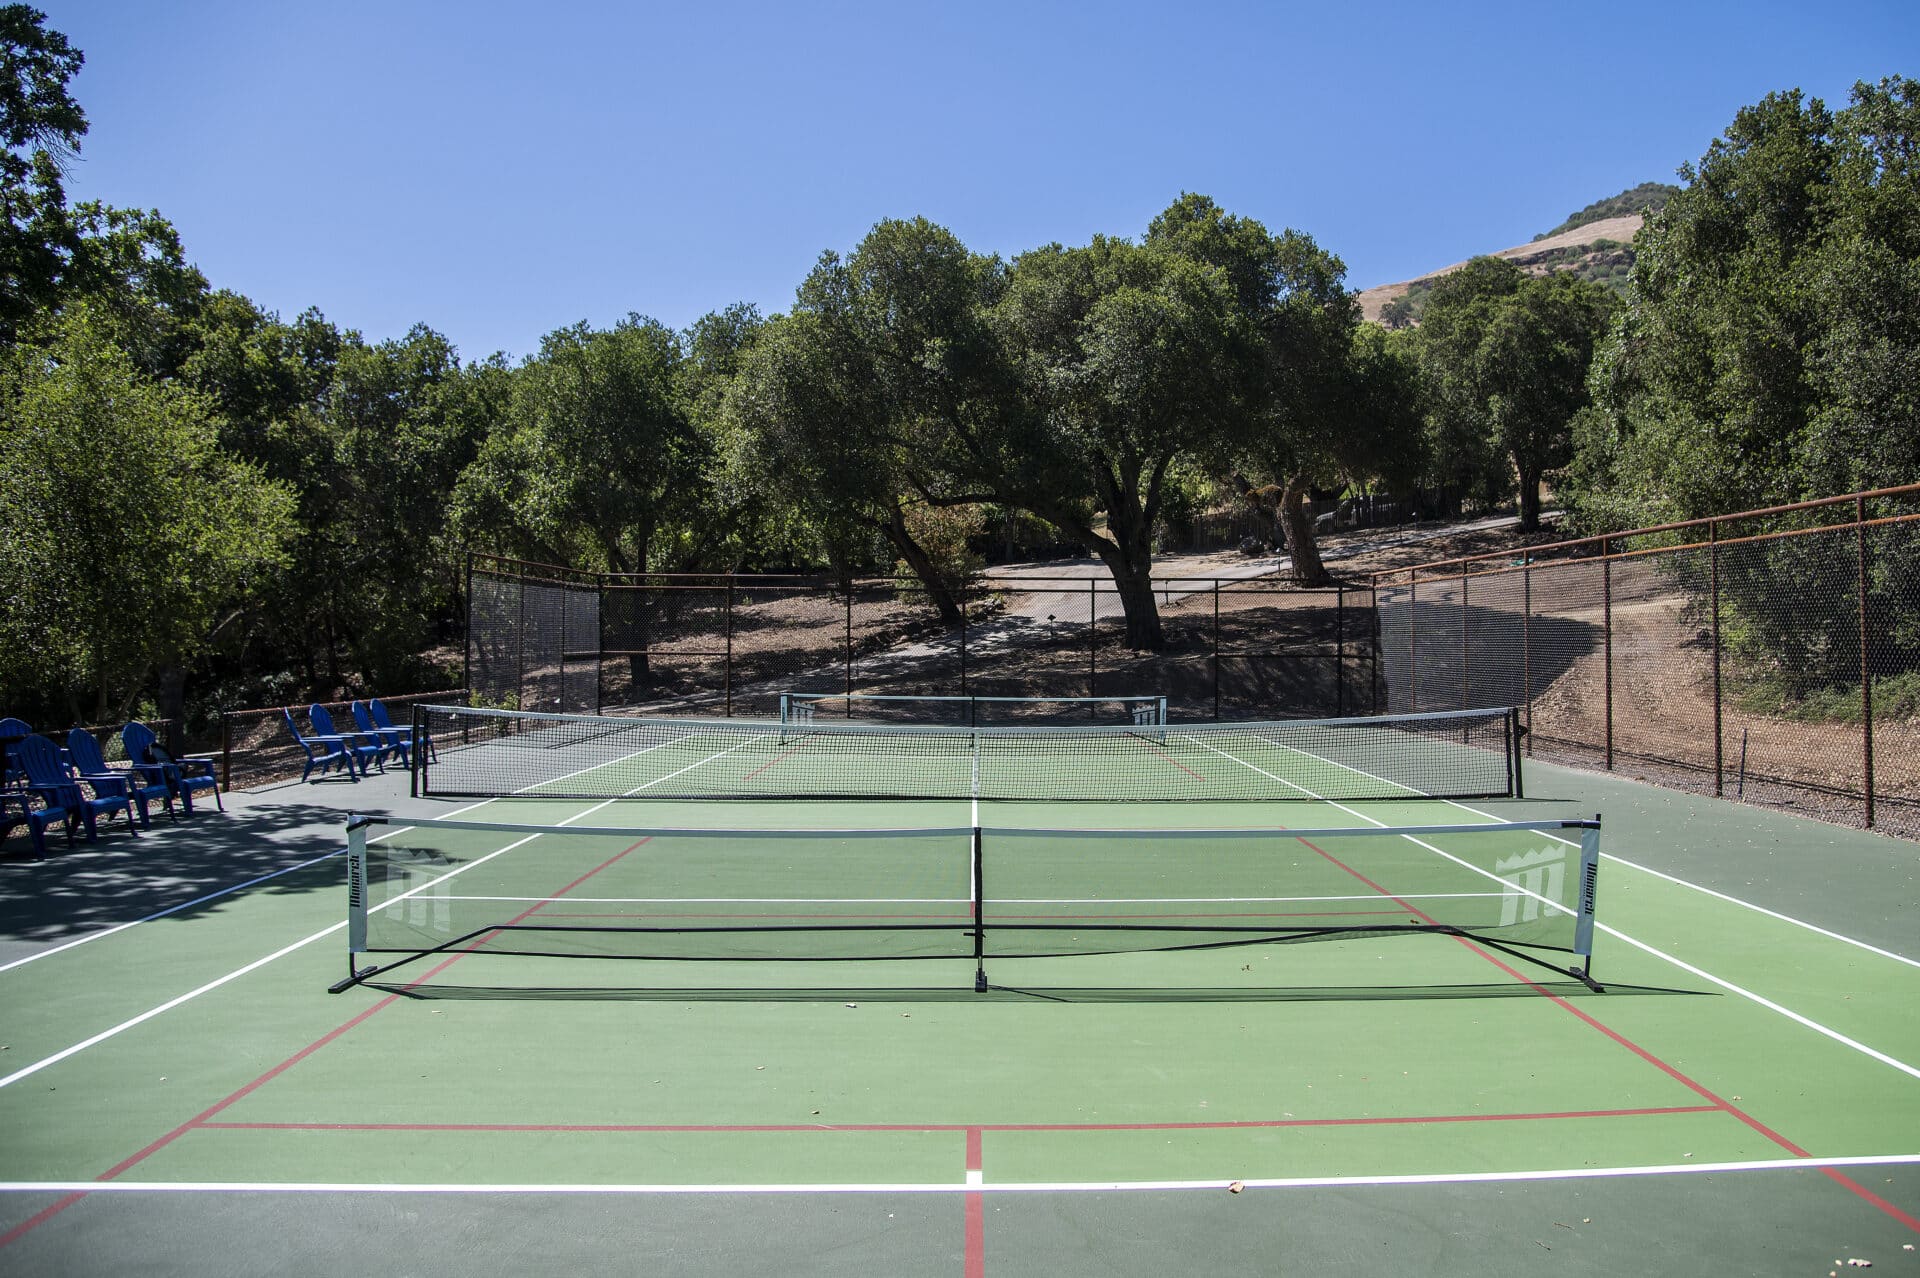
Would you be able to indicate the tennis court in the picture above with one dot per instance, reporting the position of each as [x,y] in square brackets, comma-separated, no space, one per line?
[1261,1003]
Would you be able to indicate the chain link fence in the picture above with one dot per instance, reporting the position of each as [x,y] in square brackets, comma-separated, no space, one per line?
[729,645]
[1772,656]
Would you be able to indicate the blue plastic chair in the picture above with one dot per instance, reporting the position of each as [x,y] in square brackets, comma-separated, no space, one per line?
[16,808]
[48,778]
[11,728]
[184,775]
[366,751]
[393,741]
[323,753]
[379,713]
[141,782]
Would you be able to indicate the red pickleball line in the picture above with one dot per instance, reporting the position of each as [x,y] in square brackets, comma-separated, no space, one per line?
[974,1129]
[1718,1102]
[202,1118]
[976,1212]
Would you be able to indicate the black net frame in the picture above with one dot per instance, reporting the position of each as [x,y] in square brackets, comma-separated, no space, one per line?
[1103,891]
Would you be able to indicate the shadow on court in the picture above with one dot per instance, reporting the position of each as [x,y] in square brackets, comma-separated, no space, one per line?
[120,877]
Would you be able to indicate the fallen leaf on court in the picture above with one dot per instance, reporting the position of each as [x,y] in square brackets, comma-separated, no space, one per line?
[759,1066]
[853,1005]
[1236,1187]
[1858,1263]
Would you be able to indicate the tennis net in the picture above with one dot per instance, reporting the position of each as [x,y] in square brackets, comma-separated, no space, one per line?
[801,709]
[484,753]
[973,894]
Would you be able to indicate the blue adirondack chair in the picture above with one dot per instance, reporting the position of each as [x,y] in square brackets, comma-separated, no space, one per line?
[182,775]
[379,713]
[393,741]
[366,751]
[11,730]
[323,753]
[16,808]
[142,783]
[49,779]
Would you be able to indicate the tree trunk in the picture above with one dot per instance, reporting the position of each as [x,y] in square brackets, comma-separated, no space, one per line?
[1529,500]
[939,592]
[1298,527]
[1129,557]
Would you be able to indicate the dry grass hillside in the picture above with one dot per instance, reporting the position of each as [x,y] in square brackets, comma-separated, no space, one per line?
[1595,246]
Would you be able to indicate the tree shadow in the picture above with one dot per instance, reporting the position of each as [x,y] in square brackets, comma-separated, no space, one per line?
[120,878]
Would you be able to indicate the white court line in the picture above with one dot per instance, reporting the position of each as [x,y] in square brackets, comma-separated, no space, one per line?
[955,1187]
[240,887]
[1617,934]
[171,909]
[1632,865]
[999,900]
[216,983]
[1507,885]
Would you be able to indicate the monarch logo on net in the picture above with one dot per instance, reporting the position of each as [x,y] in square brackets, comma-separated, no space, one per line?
[1533,875]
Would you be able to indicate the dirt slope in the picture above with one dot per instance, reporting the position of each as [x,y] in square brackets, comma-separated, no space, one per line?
[1618,229]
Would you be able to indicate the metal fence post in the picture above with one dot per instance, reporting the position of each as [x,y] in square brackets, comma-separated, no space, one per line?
[466,631]
[1413,642]
[726,670]
[1713,592]
[1216,650]
[963,646]
[1339,653]
[1466,645]
[1526,644]
[849,654]
[1866,668]
[1606,586]
[226,750]
[1093,619]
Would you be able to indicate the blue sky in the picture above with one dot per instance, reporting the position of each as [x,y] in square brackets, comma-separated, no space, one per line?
[499,170]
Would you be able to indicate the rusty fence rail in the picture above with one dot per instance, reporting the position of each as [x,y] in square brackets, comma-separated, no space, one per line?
[1769,655]
[254,746]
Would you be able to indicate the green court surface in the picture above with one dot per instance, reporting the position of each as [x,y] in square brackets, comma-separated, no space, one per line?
[179,1093]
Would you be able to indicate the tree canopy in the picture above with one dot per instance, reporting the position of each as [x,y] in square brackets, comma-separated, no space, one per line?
[209,505]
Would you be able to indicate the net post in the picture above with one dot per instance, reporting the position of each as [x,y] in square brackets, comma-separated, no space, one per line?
[1514,780]
[1589,879]
[416,757]
[979,919]
[356,900]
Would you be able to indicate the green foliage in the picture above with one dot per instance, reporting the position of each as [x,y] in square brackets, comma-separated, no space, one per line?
[1772,349]
[947,534]
[123,527]
[1505,357]
[40,131]
[1647,197]
[596,461]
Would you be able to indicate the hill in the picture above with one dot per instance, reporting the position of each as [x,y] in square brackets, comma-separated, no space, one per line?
[1599,250]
